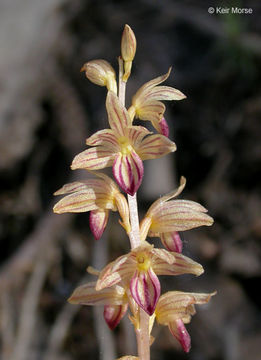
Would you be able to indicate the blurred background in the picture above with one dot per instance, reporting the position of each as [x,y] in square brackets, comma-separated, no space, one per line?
[47,110]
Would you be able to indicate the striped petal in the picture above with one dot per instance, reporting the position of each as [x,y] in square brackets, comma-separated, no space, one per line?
[135,134]
[158,203]
[104,137]
[155,146]
[87,295]
[98,221]
[150,84]
[80,201]
[179,331]
[117,114]
[128,172]
[172,241]
[179,215]
[145,289]
[116,271]
[163,93]
[113,314]
[150,110]
[93,159]
[182,265]
[177,304]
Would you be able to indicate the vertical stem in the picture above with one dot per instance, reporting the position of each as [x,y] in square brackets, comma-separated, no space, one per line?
[134,220]
[142,331]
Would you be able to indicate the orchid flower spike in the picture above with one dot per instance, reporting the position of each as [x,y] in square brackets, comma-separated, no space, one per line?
[166,217]
[175,309]
[140,268]
[123,147]
[97,196]
[146,104]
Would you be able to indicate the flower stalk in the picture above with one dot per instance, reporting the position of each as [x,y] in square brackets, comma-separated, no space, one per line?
[142,330]
[131,282]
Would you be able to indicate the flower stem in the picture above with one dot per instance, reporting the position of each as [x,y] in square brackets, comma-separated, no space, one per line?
[142,330]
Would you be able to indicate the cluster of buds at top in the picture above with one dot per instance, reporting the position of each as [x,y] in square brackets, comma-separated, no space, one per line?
[131,283]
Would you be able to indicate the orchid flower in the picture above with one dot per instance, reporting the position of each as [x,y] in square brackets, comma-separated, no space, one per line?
[113,299]
[146,104]
[123,147]
[166,217]
[97,196]
[140,268]
[175,308]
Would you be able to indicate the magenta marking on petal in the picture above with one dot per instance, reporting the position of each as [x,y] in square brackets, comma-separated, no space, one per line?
[172,241]
[97,227]
[164,127]
[113,314]
[184,337]
[145,289]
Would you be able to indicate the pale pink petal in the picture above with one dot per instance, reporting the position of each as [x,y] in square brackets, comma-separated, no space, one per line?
[155,146]
[163,93]
[113,314]
[93,159]
[150,110]
[98,221]
[81,201]
[118,116]
[172,241]
[116,271]
[150,84]
[135,134]
[182,265]
[179,215]
[87,295]
[145,289]
[180,332]
[128,172]
[106,138]
[164,255]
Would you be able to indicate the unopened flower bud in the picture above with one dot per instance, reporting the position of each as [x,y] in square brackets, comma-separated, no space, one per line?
[101,73]
[128,50]
[128,44]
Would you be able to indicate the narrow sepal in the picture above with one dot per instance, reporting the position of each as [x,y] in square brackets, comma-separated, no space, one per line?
[117,114]
[154,82]
[155,146]
[179,331]
[158,203]
[113,314]
[128,172]
[145,289]
[98,221]
[95,158]
[172,241]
